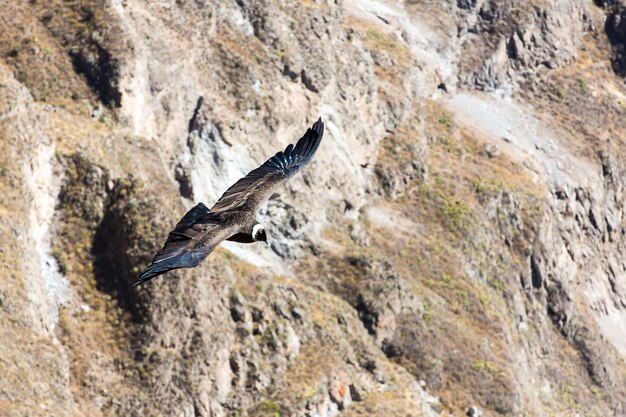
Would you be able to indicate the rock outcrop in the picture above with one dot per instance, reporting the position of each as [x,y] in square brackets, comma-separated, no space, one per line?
[456,247]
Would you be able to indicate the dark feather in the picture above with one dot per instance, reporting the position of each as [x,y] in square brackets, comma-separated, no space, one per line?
[198,214]
[182,259]
[201,230]
[182,248]
[256,187]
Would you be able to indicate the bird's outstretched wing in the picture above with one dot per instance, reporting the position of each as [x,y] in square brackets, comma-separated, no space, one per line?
[259,185]
[201,229]
[193,238]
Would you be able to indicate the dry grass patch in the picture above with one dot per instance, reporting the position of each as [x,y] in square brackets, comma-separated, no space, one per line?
[435,236]
[392,58]
[48,44]
[586,100]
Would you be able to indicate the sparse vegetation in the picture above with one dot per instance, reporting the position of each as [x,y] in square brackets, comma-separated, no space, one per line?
[445,120]
[422,276]
[380,40]
[489,185]
[484,365]
[457,213]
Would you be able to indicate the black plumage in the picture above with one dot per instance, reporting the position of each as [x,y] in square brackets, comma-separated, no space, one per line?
[233,217]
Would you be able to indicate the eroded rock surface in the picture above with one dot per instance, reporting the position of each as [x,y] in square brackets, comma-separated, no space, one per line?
[456,247]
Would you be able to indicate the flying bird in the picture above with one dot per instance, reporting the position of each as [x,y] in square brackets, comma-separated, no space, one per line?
[233,217]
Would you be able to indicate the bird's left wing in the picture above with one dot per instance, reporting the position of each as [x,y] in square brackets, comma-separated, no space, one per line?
[259,185]
[191,241]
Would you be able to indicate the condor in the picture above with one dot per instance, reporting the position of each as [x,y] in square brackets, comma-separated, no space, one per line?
[233,217]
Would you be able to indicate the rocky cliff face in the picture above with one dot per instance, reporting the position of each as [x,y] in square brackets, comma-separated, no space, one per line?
[457,247]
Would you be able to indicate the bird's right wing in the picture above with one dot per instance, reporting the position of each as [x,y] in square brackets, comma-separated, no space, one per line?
[259,185]
[191,241]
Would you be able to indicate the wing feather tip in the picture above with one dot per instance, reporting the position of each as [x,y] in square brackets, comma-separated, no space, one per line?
[155,269]
[313,141]
[146,275]
[138,283]
[318,126]
[142,278]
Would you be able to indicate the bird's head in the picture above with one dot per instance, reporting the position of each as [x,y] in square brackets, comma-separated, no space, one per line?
[258,233]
